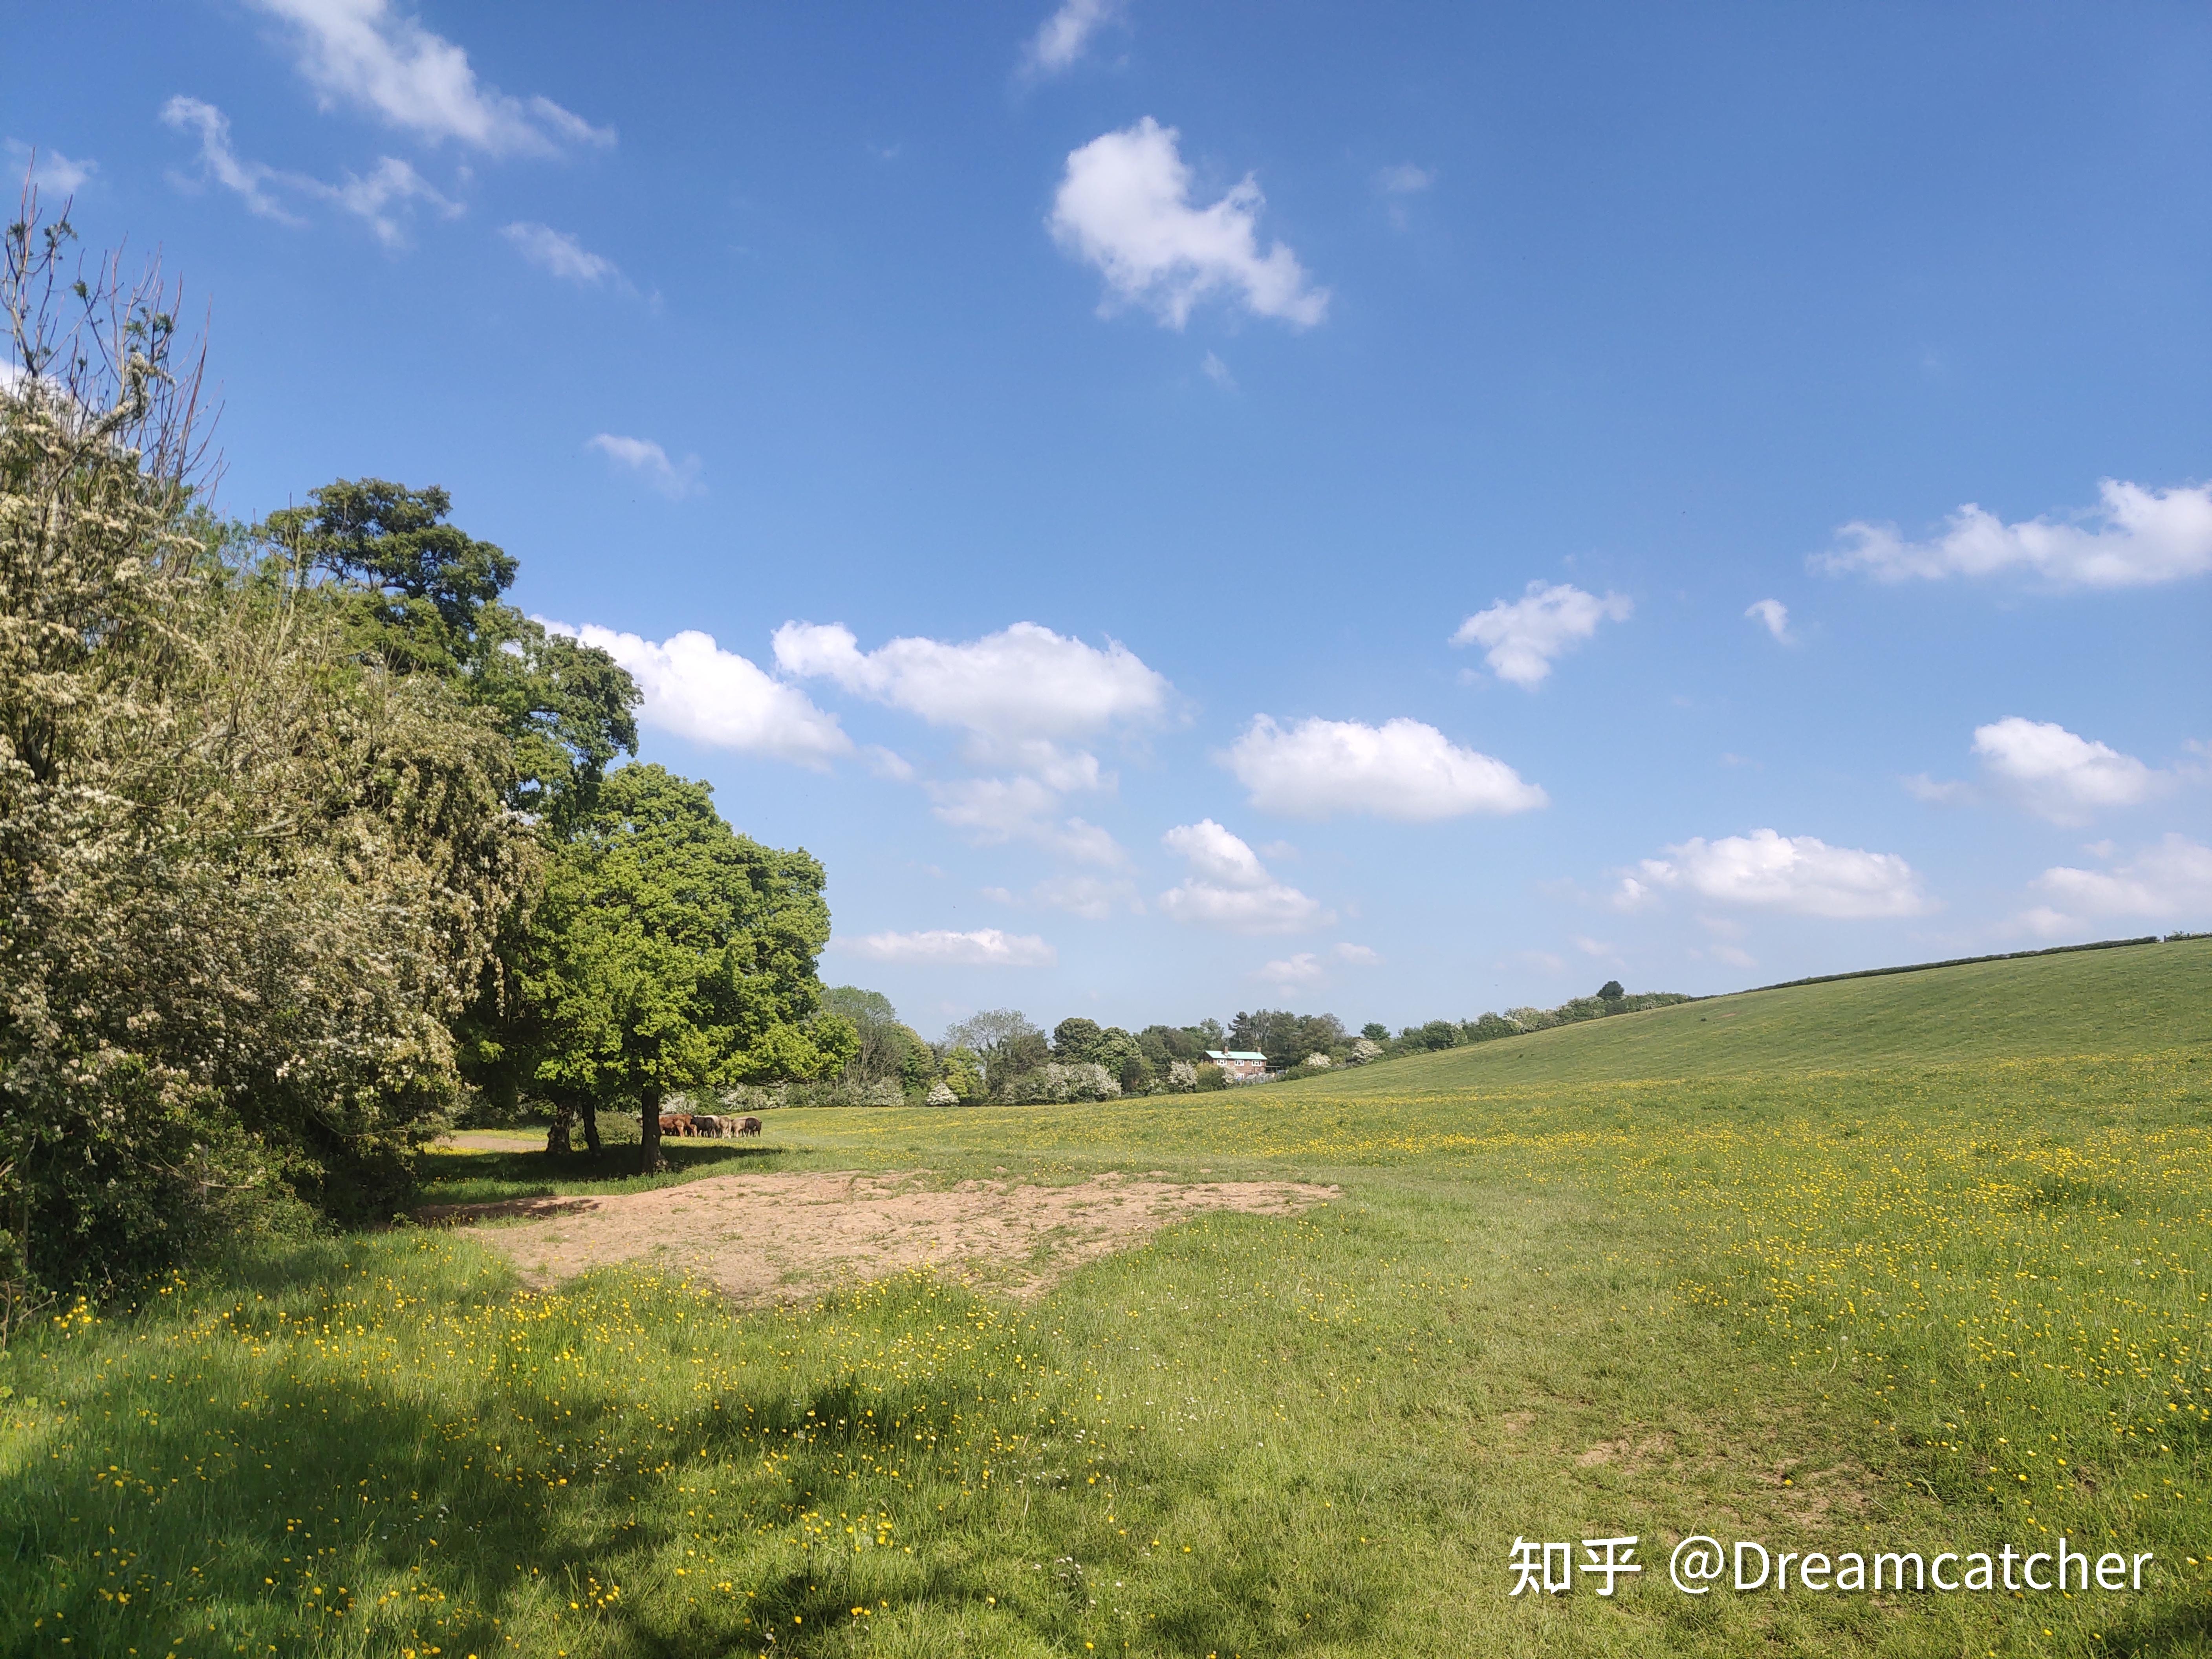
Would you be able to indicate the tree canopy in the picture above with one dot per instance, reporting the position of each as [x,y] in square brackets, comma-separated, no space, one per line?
[669,952]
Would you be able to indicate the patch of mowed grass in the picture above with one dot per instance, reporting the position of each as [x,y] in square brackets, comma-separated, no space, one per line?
[1937,1302]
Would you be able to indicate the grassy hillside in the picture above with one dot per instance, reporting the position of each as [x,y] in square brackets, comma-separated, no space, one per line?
[2128,1000]
[1920,1263]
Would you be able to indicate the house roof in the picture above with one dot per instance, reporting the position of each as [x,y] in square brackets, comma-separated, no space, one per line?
[1235,1054]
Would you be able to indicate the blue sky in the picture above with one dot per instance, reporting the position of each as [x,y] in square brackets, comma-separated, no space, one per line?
[1396,510]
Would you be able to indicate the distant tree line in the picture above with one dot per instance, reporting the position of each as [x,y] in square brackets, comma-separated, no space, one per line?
[1000,1057]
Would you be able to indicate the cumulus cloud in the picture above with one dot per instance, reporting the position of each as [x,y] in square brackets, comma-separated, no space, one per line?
[364,53]
[2134,538]
[695,689]
[1401,769]
[1522,636]
[1023,684]
[1358,955]
[558,253]
[2058,775]
[674,479]
[1229,888]
[1125,206]
[1799,875]
[381,198]
[49,169]
[1062,39]
[985,947]
[1774,616]
[2169,883]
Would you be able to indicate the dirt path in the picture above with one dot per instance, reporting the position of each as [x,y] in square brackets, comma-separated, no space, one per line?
[773,1237]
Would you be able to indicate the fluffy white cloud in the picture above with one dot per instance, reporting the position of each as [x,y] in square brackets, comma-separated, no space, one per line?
[364,53]
[1522,636]
[695,689]
[49,169]
[1062,37]
[2060,776]
[985,947]
[558,253]
[1401,770]
[1799,874]
[1124,206]
[1359,956]
[380,198]
[1774,616]
[2170,883]
[1017,686]
[2134,538]
[1229,888]
[674,479]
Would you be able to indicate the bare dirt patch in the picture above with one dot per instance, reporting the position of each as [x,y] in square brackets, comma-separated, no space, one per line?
[782,1236]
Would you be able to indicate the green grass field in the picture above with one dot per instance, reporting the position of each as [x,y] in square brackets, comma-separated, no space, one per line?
[1914,1262]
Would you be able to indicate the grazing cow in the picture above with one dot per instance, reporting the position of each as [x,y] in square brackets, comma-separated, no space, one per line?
[707,1123]
[748,1126]
[675,1123]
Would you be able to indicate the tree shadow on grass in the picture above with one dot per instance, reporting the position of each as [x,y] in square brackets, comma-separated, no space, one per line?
[486,1177]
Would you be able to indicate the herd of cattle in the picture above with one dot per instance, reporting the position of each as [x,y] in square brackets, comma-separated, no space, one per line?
[707,1123]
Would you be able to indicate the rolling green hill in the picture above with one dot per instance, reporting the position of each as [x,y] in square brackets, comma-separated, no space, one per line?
[2132,999]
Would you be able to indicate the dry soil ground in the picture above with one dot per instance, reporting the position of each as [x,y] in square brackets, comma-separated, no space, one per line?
[777,1236]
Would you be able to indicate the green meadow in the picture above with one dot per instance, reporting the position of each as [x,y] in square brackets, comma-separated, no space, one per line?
[1914,1262]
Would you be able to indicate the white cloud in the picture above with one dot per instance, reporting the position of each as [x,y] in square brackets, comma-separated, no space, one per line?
[1522,636]
[1404,180]
[1013,688]
[2169,883]
[1774,616]
[364,53]
[1124,206]
[1229,888]
[390,184]
[1062,37]
[221,163]
[1798,874]
[674,479]
[985,947]
[1594,947]
[1401,770]
[2059,776]
[2134,538]
[992,810]
[1094,898]
[1359,956]
[49,169]
[695,689]
[1939,791]
[1292,973]
[558,253]
[1218,371]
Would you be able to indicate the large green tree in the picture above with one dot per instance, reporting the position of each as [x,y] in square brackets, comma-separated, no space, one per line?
[247,875]
[669,952]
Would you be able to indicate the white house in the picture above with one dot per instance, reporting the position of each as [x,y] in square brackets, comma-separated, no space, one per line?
[1239,1065]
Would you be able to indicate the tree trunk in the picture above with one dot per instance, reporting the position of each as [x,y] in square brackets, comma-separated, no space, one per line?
[592,1124]
[649,1160]
[557,1137]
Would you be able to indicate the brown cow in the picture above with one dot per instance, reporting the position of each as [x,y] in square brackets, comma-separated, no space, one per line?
[749,1125]
[676,1123]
